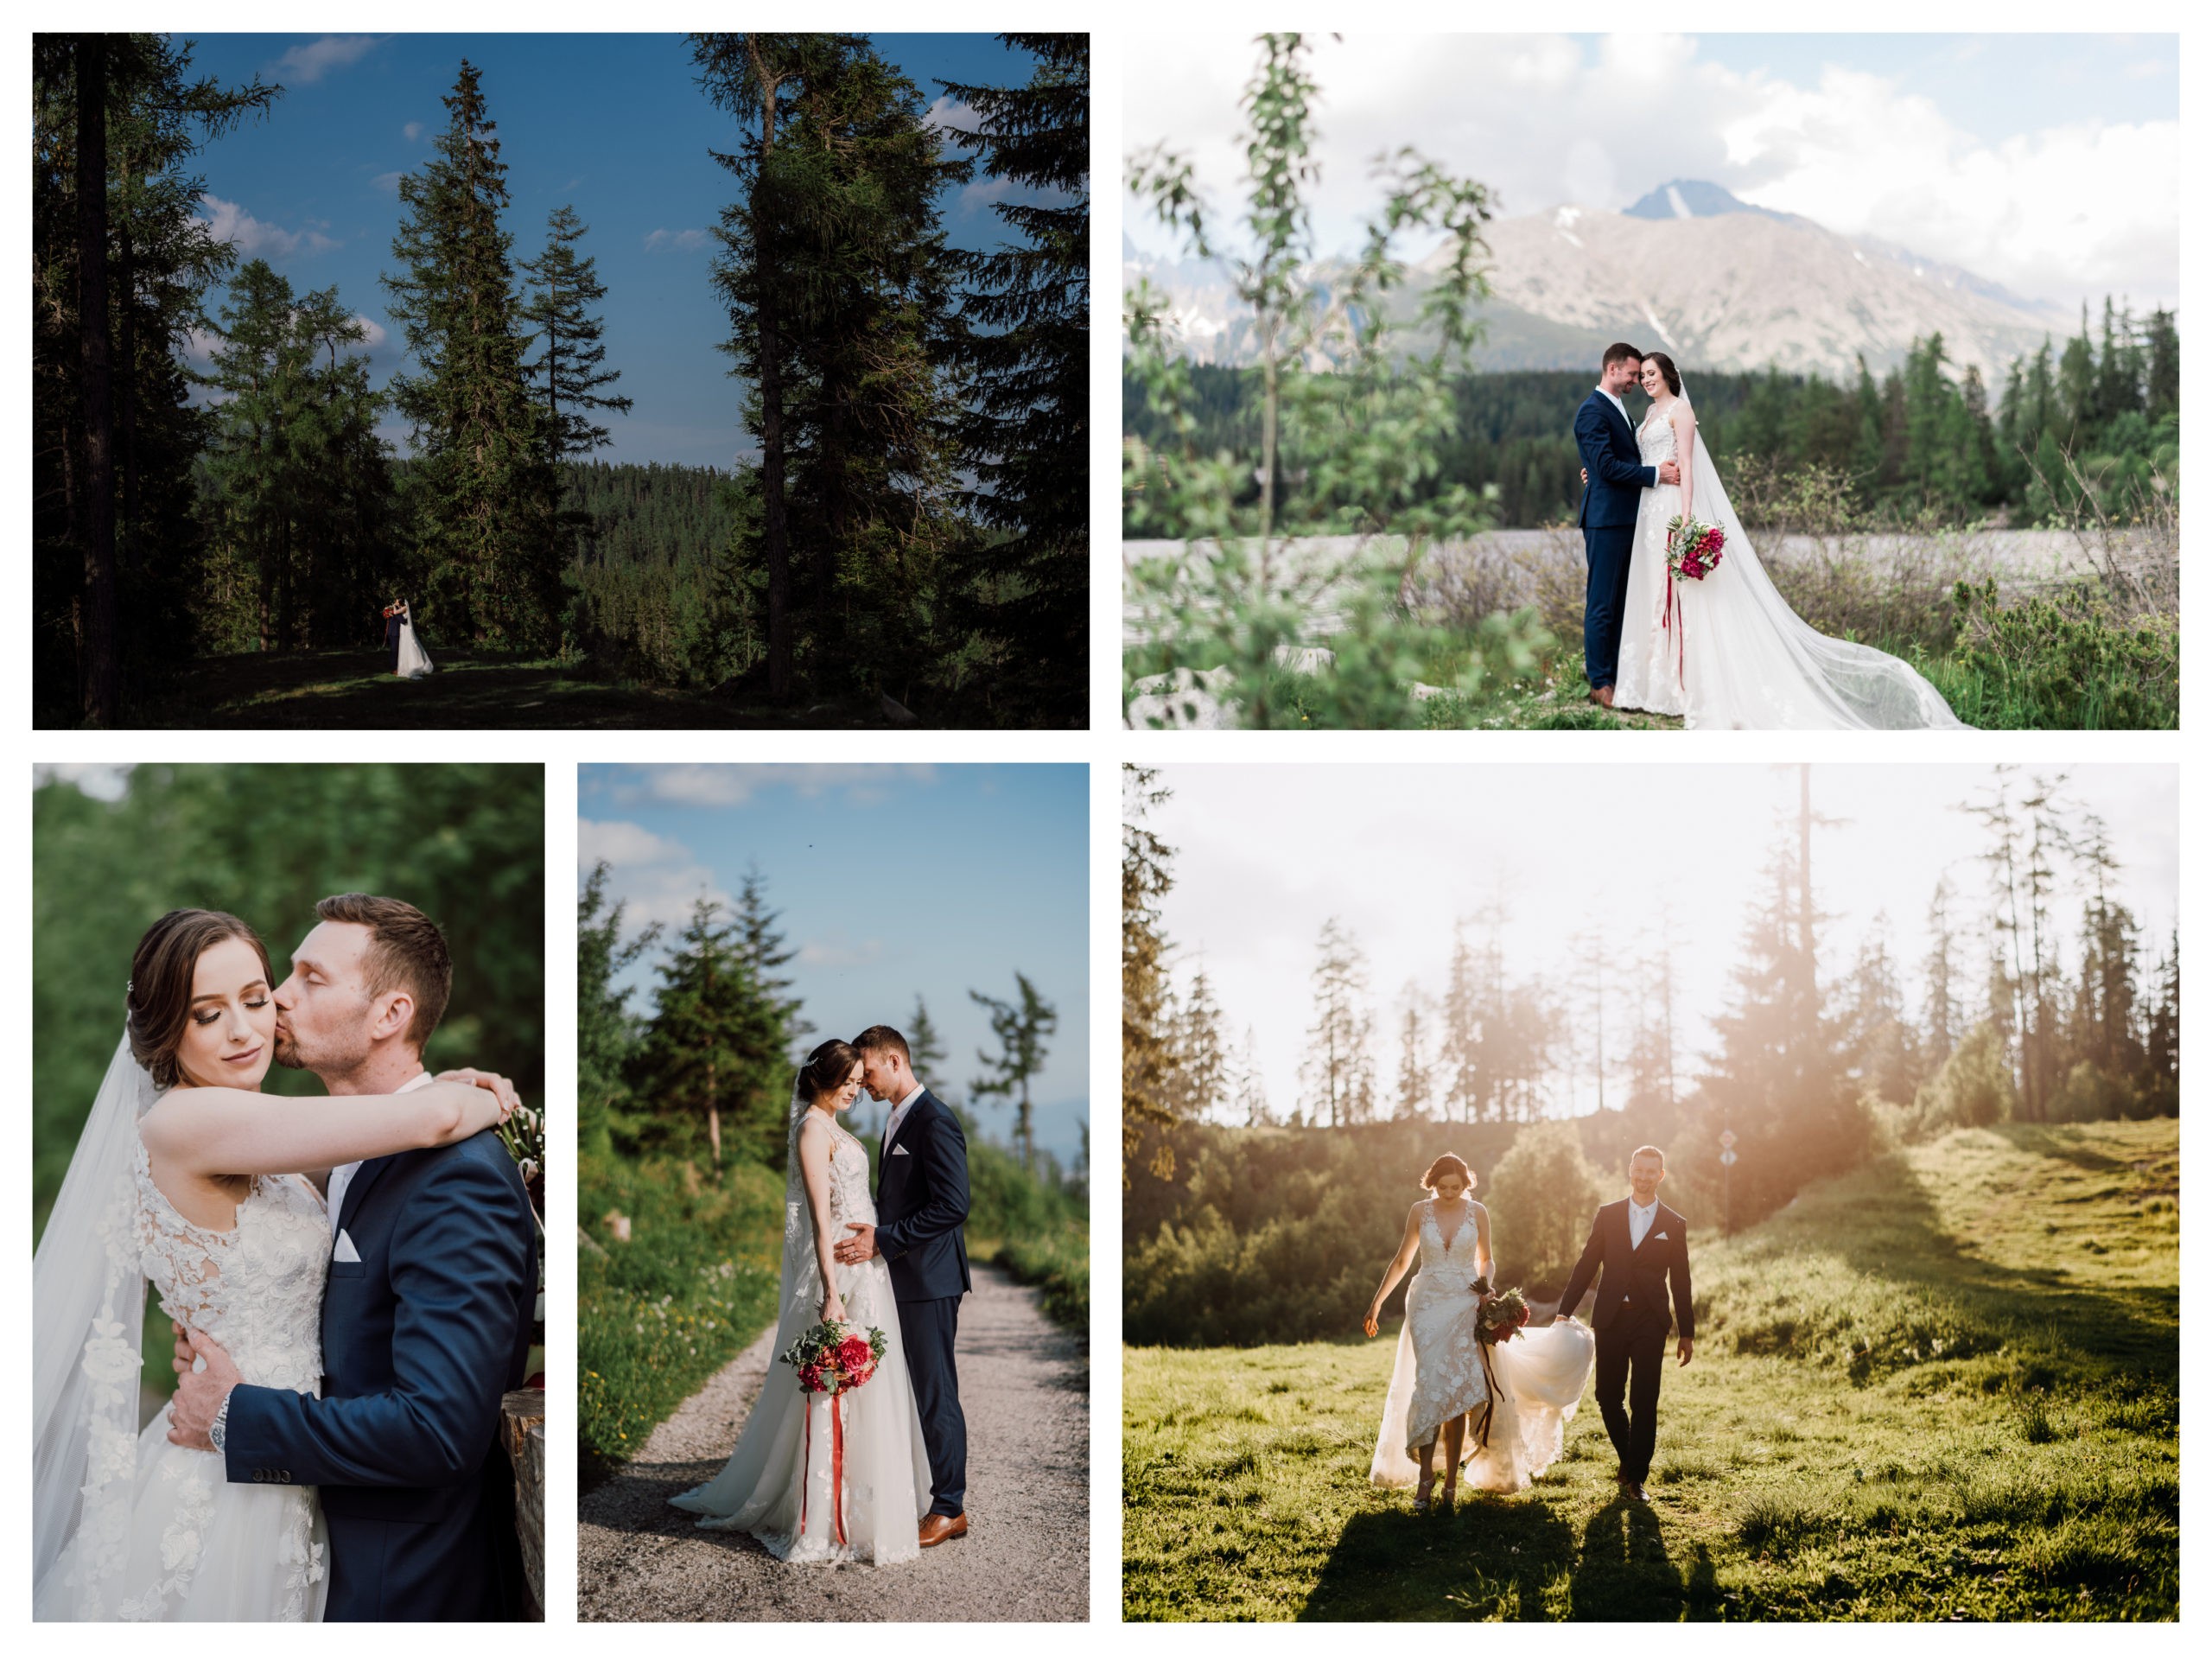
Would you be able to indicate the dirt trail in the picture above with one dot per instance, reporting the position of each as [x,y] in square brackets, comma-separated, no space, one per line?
[1025,1387]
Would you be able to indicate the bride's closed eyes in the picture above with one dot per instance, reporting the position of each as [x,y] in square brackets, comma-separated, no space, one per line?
[209,1015]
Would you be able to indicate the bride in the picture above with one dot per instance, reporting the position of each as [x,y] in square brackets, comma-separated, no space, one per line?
[186,1176]
[1727,652]
[414,661]
[781,1485]
[1501,1411]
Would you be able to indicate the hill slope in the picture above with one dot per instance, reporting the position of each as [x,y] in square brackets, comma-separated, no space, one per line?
[1945,1385]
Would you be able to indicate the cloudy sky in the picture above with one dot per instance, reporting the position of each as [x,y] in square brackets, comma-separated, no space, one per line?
[894,881]
[2049,162]
[612,124]
[1583,858]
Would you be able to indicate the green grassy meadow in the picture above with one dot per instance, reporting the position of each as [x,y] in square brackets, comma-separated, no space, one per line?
[1945,1386]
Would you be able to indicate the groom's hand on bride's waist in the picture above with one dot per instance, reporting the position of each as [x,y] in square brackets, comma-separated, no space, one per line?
[859,1247]
[200,1391]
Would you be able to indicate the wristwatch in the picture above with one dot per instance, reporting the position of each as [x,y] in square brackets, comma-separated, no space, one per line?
[221,1427]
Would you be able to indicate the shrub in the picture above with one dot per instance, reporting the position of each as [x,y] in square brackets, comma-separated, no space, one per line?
[1973,1088]
[1541,1199]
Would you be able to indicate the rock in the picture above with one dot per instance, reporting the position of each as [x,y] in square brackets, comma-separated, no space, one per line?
[1181,700]
[1428,691]
[893,711]
[1306,662]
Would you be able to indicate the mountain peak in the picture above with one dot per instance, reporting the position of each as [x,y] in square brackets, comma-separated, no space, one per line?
[1693,198]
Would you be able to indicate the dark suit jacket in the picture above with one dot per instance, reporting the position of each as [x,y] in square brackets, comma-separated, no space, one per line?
[921,1201]
[1637,1280]
[1618,474]
[420,1338]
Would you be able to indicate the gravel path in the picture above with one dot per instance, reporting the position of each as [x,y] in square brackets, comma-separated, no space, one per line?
[1026,1555]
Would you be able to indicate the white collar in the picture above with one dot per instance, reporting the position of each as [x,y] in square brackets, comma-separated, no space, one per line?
[1616,401]
[1647,1209]
[898,1106]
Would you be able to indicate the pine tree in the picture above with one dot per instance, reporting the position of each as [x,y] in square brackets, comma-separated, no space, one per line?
[1201,1055]
[570,375]
[1026,343]
[1339,1072]
[712,1047]
[1022,1026]
[606,1030]
[924,1046]
[1945,1007]
[1148,1054]
[482,473]
[761,950]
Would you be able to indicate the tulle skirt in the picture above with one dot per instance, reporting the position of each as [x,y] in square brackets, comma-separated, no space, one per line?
[1539,1379]
[781,1486]
[196,1547]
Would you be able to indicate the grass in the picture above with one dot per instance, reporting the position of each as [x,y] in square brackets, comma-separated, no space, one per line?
[1057,1261]
[471,690]
[1944,1386]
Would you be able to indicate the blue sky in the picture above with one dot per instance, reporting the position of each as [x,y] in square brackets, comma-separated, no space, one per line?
[894,881]
[611,124]
[2049,162]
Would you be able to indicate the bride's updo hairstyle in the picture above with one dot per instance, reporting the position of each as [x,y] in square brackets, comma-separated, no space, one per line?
[828,1066]
[1447,1166]
[1666,365]
[159,994]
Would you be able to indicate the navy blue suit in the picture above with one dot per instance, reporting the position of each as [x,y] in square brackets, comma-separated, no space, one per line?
[420,1338]
[921,1201]
[1630,1320]
[392,640]
[1618,480]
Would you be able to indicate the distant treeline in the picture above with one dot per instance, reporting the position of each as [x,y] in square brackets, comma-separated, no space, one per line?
[1921,441]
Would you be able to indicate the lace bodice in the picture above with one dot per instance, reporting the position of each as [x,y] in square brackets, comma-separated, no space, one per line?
[1456,1260]
[257,1288]
[1655,438]
[849,1203]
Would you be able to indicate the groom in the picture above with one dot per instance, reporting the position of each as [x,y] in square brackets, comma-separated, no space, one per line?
[1617,479]
[426,1312]
[921,1201]
[1644,1249]
[391,633]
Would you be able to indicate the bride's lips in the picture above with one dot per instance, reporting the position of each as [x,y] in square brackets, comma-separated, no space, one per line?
[243,1057]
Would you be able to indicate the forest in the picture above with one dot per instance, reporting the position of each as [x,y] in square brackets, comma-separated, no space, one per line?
[682,1118]
[1925,445]
[910,527]
[1248,1218]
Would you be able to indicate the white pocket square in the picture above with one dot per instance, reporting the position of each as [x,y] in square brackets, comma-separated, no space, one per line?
[1661,1236]
[345,1252]
[898,1149]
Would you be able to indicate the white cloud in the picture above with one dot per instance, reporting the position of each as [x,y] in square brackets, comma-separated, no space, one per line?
[682,241]
[413,131]
[2064,208]
[835,951]
[726,786]
[105,782]
[948,114]
[305,65]
[656,879]
[624,844]
[228,221]
[387,181]
[373,331]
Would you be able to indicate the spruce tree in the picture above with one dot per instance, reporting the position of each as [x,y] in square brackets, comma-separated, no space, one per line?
[570,375]
[924,1046]
[1026,343]
[1022,1026]
[482,478]
[606,1028]
[713,1049]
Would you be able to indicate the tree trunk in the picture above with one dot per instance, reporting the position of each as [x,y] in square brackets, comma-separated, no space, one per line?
[99,673]
[126,397]
[774,528]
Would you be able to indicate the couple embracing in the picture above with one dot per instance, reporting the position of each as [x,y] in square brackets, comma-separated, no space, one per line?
[1723,651]
[351,1279]
[1498,1397]
[878,1473]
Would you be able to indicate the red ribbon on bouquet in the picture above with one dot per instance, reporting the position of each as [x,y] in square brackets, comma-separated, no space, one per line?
[836,1467]
[1490,1401]
[1667,619]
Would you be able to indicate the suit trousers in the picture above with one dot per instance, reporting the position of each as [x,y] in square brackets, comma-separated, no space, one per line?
[1604,599]
[1631,1355]
[927,1328]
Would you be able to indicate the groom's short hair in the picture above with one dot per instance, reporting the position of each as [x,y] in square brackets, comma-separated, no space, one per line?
[1619,353]
[1650,1149]
[406,949]
[884,1038]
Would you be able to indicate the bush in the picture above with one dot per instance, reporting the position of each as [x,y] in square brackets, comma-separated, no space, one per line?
[1541,1199]
[2066,661]
[1973,1088]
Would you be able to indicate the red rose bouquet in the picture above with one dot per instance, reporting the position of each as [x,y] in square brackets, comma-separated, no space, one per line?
[1693,548]
[833,1358]
[1502,1317]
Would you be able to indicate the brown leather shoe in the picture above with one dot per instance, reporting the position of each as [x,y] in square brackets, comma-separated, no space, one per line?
[937,1528]
[1636,1493]
[1603,695]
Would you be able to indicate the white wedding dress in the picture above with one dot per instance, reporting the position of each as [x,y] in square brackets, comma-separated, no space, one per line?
[779,1485]
[414,661]
[157,1533]
[1732,654]
[1539,1379]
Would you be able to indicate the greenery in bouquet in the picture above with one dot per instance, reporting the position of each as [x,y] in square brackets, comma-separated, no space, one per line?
[835,1356]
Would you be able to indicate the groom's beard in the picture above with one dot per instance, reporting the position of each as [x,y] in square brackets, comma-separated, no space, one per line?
[325,1063]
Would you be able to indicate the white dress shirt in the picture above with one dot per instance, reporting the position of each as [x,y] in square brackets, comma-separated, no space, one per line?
[1639,1220]
[899,1113]
[1619,406]
[341,1176]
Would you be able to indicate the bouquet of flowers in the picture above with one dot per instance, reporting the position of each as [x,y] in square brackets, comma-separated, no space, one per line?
[833,1358]
[1693,548]
[1502,1316]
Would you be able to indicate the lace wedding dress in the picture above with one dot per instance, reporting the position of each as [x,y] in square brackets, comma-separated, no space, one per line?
[1534,1384]
[162,1536]
[779,1485]
[414,660]
[1734,654]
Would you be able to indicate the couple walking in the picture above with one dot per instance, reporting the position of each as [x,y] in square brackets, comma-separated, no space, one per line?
[1725,652]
